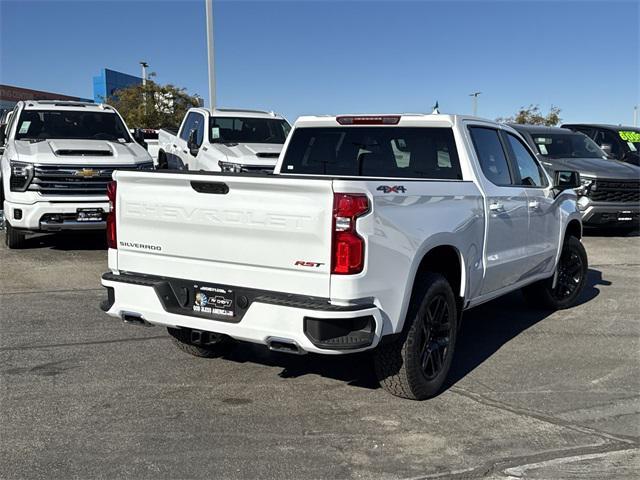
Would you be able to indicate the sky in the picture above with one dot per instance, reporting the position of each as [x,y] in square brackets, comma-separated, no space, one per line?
[327,57]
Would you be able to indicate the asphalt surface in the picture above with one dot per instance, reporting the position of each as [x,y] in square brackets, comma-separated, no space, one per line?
[531,395]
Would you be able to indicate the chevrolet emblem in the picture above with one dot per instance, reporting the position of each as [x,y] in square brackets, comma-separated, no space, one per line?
[87,173]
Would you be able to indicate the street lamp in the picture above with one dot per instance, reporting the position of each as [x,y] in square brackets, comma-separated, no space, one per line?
[210,55]
[475,102]
[144,66]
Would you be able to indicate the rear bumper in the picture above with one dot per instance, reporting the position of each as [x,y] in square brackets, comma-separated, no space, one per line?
[314,324]
[51,216]
[611,214]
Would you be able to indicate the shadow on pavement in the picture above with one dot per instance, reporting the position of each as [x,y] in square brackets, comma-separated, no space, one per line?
[488,327]
[484,331]
[68,241]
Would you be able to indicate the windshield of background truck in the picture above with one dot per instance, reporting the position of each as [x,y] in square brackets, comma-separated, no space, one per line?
[400,152]
[71,124]
[248,130]
[566,145]
[632,137]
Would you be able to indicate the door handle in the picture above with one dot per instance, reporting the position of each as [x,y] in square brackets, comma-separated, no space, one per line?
[534,205]
[496,207]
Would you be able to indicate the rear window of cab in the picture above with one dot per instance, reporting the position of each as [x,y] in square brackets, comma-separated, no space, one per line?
[396,152]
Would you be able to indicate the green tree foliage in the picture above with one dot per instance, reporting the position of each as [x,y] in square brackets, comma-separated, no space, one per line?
[153,105]
[532,115]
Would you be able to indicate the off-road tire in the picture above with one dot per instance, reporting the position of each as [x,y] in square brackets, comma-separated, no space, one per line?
[398,364]
[13,238]
[542,295]
[181,339]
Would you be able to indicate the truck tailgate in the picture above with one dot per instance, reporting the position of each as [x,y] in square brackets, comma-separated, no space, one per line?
[257,232]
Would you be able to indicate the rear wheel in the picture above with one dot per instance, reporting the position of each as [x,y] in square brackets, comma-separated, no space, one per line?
[13,238]
[570,277]
[201,344]
[416,365]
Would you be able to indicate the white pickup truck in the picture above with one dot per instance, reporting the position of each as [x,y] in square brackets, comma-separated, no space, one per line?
[223,141]
[57,162]
[374,232]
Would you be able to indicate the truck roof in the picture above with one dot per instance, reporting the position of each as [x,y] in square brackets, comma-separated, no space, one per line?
[406,119]
[64,105]
[539,128]
[605,126]
[237,112]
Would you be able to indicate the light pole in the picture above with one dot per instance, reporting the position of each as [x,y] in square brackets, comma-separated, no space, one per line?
[475,102]
[635,116]
[144,66]
[210,55]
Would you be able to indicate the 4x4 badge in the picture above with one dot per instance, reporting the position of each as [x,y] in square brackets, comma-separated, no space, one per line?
[392,189]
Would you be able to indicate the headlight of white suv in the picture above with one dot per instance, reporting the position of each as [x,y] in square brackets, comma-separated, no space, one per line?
[230,167]
[21,175]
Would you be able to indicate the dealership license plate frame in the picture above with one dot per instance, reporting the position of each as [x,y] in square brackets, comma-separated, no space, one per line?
[89,215]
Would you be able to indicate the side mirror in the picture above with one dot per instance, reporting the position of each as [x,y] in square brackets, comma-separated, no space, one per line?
[192,142]
[566,179]
[138,136]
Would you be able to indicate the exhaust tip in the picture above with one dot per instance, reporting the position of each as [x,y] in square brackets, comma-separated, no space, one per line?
[132,318]
[284,345]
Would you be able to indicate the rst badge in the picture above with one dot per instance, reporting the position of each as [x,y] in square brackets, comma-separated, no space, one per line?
[392,189]
[302,263]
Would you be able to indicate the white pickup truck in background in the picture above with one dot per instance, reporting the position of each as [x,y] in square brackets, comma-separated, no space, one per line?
[375,232]
[58,159]
[223,140]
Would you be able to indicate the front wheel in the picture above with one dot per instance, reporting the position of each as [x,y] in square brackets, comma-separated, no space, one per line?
[201,344]
[564,288]
[13,238]
[416,365]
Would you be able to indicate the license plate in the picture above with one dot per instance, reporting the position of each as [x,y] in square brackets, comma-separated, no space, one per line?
[625,216]
[214,300]
[89,214]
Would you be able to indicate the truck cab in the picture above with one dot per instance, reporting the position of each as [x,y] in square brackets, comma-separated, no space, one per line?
[618,142]
[58,158]
[223,141]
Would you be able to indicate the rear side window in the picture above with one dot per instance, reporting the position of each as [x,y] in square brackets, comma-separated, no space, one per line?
[402,152]
[493,160]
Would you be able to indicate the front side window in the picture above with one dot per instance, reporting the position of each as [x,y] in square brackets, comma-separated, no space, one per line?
[566,145]
[248,130]
[71,124]
[491,156]
[189,123]
[395,152]
[530,173]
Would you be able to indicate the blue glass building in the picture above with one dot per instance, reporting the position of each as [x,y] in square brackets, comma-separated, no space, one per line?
[105,84]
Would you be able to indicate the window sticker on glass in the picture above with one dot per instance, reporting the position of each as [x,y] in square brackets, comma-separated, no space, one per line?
[632,147]
[215,132]
[24,127]
[629,136]
[543,149]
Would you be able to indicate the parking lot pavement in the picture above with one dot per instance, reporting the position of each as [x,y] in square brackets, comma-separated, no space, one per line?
[531,395]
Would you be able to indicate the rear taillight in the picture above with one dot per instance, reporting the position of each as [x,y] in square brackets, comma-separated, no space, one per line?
[112,236]
[348,246]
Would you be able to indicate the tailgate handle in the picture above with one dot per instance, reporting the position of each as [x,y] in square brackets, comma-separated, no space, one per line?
[218,188]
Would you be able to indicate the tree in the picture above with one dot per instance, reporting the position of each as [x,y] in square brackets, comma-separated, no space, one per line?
[532,115]
[153,105]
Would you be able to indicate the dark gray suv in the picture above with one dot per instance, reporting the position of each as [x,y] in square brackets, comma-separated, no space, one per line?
[610,192]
